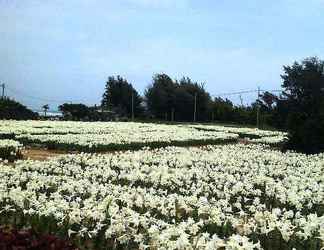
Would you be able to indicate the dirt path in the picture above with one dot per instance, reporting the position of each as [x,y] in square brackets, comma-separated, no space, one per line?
[41,154]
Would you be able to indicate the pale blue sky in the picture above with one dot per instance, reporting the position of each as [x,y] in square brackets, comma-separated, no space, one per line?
[65,50]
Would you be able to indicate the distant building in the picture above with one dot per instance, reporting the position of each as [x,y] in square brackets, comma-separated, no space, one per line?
[105,114]
[50,114]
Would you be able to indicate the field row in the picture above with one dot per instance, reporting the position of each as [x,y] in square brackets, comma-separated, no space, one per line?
[213,197]
[98,136]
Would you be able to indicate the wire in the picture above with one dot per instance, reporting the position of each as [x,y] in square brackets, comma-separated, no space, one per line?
[237,93]
[20,93]
[38,98]
[245,92]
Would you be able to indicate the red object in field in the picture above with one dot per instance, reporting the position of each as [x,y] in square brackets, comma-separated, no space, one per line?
[12,239]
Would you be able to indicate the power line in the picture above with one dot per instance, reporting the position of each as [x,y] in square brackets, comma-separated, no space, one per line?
[273,90]
[236,93]
[245,92]
[20,93]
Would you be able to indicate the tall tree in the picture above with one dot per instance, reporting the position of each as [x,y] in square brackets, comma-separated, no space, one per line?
[45,108]
[167,99]
[222,110]
[196,96]
[303,94]
[121,97]
[160,96]
[268,100]
[267,105]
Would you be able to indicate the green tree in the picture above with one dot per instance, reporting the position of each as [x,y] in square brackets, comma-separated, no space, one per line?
[121,97]
[75,111]
[167,98]
[222,110]
[196,91]
[10,109]
[268,100]
[45,108]
[160,96]
[303,101]
[267,104]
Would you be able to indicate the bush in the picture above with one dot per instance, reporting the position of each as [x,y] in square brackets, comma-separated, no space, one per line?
[12,239]
[10,109]
[10,150]
[304,105]
[306,135]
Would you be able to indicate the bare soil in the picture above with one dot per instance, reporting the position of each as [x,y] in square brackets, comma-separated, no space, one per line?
[40,154]
[43,154]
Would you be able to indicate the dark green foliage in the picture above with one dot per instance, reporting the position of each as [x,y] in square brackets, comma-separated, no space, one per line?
[279,114]
[175,100]
[10,109]
[45,108]
[269,115]
[303,100]
[75,111]
[81,112]
[203,99]
[160,96]
[54,145]
[118,97]
[223,110]
[9,153]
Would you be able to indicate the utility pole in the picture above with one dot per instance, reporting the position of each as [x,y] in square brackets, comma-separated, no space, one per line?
[258,109]
[3,90]
[132,105]
[195,107]
[241,99]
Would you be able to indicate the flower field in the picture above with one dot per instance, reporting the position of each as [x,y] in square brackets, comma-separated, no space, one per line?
[212,197]
[99,136]
[274,138]
[219,194]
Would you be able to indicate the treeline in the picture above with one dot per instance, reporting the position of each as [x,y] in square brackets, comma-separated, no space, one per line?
[80,112]
[12,110]
[298,109]
[168,99]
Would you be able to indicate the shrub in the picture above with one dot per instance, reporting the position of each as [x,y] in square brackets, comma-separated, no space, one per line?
[10,109]
[11,239]
[10,150]
[304,105]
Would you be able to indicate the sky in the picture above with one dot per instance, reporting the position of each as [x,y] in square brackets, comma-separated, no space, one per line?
[55,51]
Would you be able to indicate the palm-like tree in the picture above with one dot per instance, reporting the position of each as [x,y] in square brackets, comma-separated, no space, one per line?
[45,108]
